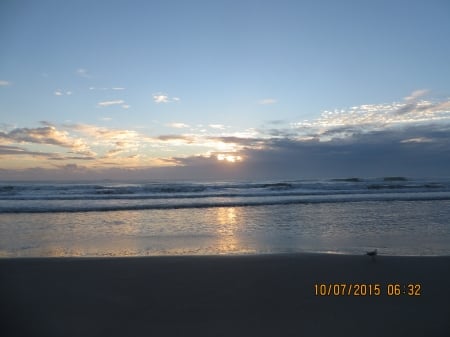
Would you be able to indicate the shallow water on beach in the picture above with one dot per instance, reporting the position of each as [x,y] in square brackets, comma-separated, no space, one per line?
[398,216]
[393,227]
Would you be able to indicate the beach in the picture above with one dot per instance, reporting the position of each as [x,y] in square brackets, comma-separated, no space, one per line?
[247,295]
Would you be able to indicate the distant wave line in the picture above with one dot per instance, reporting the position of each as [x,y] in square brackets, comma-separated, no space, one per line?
[215,195]
[82,209]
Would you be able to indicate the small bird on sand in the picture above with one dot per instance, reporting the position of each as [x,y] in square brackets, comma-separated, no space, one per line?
[372,253]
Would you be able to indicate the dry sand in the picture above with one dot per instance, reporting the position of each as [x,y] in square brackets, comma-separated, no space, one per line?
[266,295]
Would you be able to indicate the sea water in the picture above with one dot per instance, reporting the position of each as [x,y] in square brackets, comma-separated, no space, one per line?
[398,216]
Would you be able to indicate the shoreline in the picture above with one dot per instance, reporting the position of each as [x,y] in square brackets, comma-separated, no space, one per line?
[222,295]
[225,255]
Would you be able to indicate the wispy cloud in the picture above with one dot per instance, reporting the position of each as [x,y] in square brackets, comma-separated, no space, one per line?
[83,73]
[106,88]
[110,103]
[416,94]
[178,125]
[60,92]
[4,83]
[239,141]
[267,101]
[412,102]
[15,150]
[417,140]
[184,138]
[164,98]
[20,151]
[103,133]
[217,126]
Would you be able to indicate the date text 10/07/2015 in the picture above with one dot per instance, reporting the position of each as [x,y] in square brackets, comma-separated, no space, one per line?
[367,289]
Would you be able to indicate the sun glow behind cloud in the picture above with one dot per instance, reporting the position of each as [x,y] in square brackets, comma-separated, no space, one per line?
[228,157]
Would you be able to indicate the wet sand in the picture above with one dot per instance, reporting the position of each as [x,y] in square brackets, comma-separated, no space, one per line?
[265,295]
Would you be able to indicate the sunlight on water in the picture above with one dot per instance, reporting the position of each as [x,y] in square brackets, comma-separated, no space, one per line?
[227,223]
[229,226]
[395,228]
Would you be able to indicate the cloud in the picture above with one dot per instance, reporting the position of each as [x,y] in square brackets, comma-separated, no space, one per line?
[15,150]
[217,126]
[46,123]
[113,152]
[267,101]
[240,141]
[42,135]
[160,98]
[164,98]
[166,138]
[115,147]
[277,122]
[411,103]
[53,156]
[416,94]
[178,125]
[109,139]
[60,92]
[372,117]
[48,135]
[60,158]
[280,132]
[105,88]
[412,150]
[364,140]
[83,73]
[417,140]
[375,153]
[4,83]
[110,103]
[6,126]
[105,134]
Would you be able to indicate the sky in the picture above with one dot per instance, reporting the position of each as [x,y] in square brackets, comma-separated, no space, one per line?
[224,89]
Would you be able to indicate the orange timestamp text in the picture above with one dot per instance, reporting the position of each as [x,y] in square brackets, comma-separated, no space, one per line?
[367,289]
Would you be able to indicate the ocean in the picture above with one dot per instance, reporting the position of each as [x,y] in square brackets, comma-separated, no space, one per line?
[396,215]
